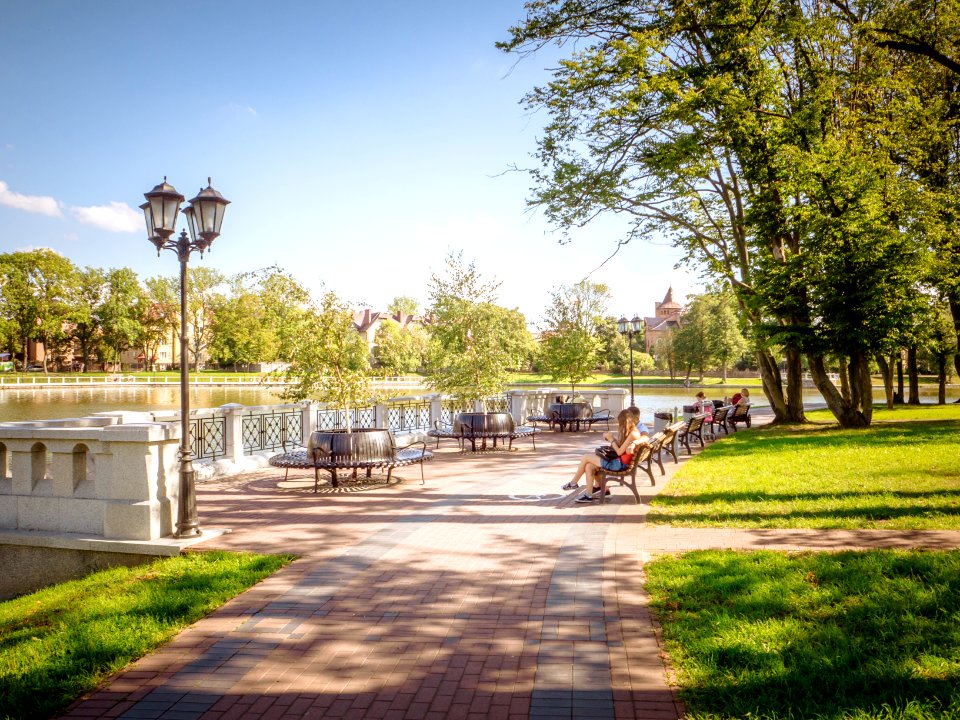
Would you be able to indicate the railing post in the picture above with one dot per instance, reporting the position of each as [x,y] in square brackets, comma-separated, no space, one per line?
[518,402]
[233,434]
[309,420]
[436,409]
[381,420]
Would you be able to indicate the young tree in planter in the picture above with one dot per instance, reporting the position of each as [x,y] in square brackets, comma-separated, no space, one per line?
[329,360]
[473,341]
[570,346]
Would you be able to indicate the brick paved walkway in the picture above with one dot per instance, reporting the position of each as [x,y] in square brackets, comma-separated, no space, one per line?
[485,593]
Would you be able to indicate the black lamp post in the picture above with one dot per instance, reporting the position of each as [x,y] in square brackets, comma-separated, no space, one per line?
[629,328]
[204,216]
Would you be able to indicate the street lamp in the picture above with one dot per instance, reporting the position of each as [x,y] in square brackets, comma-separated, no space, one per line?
[629,328]
[204,216]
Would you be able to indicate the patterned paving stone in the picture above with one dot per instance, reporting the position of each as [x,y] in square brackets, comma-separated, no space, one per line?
[485,593]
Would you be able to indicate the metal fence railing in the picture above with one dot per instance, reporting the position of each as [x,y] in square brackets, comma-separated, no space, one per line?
[365,417]
[208,437]
[406,416]
[271,430]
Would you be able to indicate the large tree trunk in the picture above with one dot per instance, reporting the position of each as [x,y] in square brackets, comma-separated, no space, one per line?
[845,381]
[942,379]
[886,372]
[955,312]
[846,413]
[913,376]
[861,385]
[898,397]
[772,385]
[795,386]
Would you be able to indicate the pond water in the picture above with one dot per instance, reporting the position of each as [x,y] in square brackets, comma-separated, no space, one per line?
[53,403]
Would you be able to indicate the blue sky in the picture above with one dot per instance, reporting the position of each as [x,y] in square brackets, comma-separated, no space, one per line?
[358,143]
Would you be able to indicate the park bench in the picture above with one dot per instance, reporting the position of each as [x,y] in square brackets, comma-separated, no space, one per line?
[462,432]
[719,420]
[642,460]
[669,444]
[692,429]
[317,460]
[739,413]
[600,416]
[571,415]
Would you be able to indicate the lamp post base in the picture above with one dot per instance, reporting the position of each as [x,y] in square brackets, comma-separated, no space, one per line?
[187,524]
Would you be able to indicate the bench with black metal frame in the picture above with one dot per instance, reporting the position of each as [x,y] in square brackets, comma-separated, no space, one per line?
[693,428]
[670,434]
[317,460]
[719,420]
[739,413]
[466,433]
[628,476]
[599,416]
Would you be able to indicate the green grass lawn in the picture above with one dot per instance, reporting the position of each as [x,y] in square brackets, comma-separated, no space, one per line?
[63,641]
[903,472]
[849,636]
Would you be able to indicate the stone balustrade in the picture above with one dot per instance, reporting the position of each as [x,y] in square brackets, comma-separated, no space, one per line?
[115,476]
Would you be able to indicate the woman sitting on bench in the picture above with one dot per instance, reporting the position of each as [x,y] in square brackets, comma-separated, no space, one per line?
[631,434]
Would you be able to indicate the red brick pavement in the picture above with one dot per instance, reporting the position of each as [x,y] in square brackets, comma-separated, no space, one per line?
[484,593]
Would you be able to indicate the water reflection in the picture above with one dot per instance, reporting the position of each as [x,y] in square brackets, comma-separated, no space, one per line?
[53,403]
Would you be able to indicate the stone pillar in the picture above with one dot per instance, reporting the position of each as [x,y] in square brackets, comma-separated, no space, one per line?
[233,436]
[381,418]
[308,420]
[436,409]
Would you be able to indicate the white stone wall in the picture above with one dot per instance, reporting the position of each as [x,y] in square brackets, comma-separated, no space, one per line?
[92,476]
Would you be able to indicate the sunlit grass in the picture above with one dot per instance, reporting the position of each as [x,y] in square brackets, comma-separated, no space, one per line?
[63,641]
[849,636]
[903,472]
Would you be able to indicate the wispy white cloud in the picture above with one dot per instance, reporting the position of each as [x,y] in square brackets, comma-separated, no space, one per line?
[37,204]
[115,217]
[240,109]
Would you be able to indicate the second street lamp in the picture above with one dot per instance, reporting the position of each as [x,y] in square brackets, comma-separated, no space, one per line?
[204,217]
[630,328]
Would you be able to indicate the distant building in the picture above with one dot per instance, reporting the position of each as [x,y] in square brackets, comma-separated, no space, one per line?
[367,322]
[665,319]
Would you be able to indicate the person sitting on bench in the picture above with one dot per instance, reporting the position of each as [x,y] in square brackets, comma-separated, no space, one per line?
[631,433]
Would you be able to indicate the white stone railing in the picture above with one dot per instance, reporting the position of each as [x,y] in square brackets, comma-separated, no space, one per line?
[116,475]
[109,477]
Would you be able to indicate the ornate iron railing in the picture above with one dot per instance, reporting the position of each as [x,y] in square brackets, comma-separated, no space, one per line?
[208,437]
[498,403]
[407,416]
[271,430]
[365,417]
[450,409]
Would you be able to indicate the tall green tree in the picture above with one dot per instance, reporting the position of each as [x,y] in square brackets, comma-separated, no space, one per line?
[398,350]
[203,297]
[164,297]
[329,358]
[473,341]
[727,342]
[241,331]
[84,321]
[120,312]
[570,344]
[404,305]
[38,288]
[742,129]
